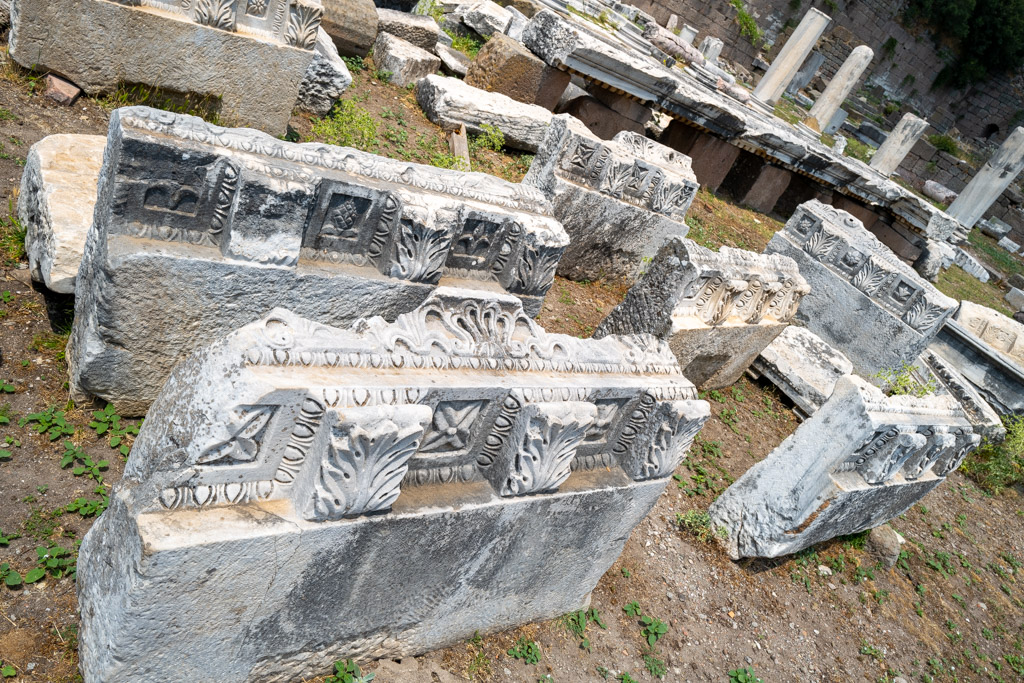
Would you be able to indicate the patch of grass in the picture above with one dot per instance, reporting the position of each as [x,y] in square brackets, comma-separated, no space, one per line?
[492,138]
[576,623]
[206,107]
[467,45]
[526,650]
[655,665]
[347,125]
[901,382]
[996,255]
[944,143]
[744,675]
[50,422]
[996,467]
[748,26]
[963,286]
[12,236]
[859,150]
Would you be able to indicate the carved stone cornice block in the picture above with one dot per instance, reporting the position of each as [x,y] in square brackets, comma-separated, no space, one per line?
[460,452]
[864,301]
[717,310]
[213,216]
[859,461]
[618,199]
[184,46]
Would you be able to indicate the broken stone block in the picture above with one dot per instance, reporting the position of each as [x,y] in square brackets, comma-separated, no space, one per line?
[1003,334]
[1016,280]
[673,45]
[970,265]
[504,66]
[453,61]
[1015,297]
[619,199]
[885,545]
[250,58]
[61,91]
[517,25]
[55,205]
[803,367]
[864,301]
[404,61]
[932,369]
[716,310]
[1009,245]
[994,228]
[351,24]
[418,29]
[200,229]
[862,459]
[486,18]
[326,78]
[711,48]
[600,119]
[491,470]
[938,192]
[449,102]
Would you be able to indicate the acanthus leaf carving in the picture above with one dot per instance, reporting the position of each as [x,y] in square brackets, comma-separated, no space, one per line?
[303,22]
[923,315]
[536,271]
[215,13]
[420,252]
[544,442]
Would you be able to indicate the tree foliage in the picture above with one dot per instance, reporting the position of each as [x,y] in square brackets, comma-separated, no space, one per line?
[988,36]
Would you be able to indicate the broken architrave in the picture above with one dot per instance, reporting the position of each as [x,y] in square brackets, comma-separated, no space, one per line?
[491,469]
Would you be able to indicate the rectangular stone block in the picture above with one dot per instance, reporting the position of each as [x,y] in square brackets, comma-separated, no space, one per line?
[998,377]
[618,199]
[862,459]
[712,159]
[200,229]
[506,67]
[301,493]
[55,205]
[717,310]
[404,61]
[252,56]
[1015,297]
[864,301]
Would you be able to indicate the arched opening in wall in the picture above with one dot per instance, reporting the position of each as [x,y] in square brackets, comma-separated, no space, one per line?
[990,131]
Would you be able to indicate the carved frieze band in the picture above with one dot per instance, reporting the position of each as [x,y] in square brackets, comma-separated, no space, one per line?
[911,451]
[872,272]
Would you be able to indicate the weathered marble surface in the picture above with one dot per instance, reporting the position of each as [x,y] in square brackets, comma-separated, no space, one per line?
[618,199]
[450,101]
[717,310]
[1002,333]
[302,493]
[803,367]
[55,205]
[404,61]
[859,461]
[327,78]
[998,377]
[252,61]
[864,301]
[201,229]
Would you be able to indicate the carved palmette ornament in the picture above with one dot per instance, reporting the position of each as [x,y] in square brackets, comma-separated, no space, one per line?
[659,437]
[884,454]
[541,445]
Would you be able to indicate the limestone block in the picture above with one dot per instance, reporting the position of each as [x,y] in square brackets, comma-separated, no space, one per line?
[486,18]
[674,45]
[199,230]
[326,78]
[55,205]
[375,478]
[1009,245]
[618,199]
[998,377]
[517,26]
[452,61]
[938,192]
[864,301]
[600,119]
[418,29]
[711,48]
[352,25]
[859,461]
[252,61]
[622,105]
[61,91]
[803,367]
[559,43]
[1015,297]
[995,228]
[449,102]
[504,66]
[717,310]
[525,7]
[404,61]
[932,369]
[971,265]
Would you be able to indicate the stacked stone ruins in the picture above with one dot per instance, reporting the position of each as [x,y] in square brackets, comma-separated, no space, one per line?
[338,352]
[525,458]
[199,230]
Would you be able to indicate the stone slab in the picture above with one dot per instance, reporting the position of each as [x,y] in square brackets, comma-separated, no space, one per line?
[327,78]
[418,29]
[1009,245]
[1015,297]
[453,61]
[864,301]
[55,205]
[618,200]
[600,119]
[803,367]
[199,230]
[859,461]
[717,310]
[331,455]
[404,61]
[996,376]
[504,66]
[486,17]
[252,64]
[449,102]
[352,25]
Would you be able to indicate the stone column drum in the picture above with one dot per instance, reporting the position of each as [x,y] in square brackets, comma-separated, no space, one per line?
[792,55]
[839,87]
[994,177]
[899,143]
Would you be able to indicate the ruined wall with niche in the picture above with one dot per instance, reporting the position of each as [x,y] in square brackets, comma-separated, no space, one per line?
[905,61]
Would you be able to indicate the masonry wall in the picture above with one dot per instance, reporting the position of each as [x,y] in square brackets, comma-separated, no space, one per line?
[906,60]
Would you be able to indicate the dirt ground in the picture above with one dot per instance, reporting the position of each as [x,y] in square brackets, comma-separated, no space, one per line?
[950,610]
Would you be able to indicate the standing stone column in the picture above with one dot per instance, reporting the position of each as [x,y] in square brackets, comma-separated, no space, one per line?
[839,87]
[994,177]
[792,56]
[899,143]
